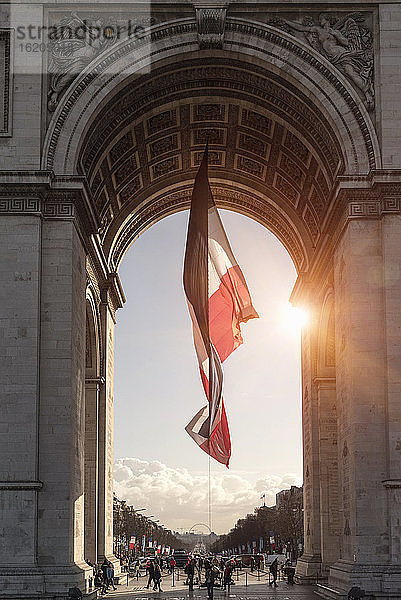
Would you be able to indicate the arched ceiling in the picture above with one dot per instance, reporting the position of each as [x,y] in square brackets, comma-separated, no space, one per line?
[267,142]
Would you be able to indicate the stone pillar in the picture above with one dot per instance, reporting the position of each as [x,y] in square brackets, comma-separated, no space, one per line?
[391,235]
[361,369]
[328,471]
[60,552]
[91,467]
[106,415]
[20,482]
[309,564]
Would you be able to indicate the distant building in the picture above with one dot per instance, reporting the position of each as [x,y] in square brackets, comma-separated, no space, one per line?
[193,539]
[294,494]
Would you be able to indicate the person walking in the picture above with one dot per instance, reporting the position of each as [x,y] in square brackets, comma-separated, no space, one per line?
[172,564]
[137,567]
[157,577]
[151,571]
[228,571]
[103,568]
[211,574]
[273,570]
[191,574]
[111,576]
[252,564]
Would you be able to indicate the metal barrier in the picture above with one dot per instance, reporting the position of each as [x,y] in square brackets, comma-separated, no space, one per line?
[238,576]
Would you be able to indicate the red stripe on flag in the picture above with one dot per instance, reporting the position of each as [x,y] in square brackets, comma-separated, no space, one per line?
[229,306]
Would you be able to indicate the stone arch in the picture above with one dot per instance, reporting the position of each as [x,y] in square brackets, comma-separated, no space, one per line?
[277,77]
[309,69]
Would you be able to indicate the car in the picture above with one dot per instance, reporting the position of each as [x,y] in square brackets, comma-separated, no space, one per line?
[181,557]
[245,560]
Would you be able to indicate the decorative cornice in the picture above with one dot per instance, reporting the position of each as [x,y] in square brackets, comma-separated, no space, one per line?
[368,209]
[21,485]
[370,196]
[41,194]
[112,294]
[22,205]
[96,381]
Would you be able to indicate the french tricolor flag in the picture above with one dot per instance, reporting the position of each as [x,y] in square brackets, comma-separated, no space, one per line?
[219,301]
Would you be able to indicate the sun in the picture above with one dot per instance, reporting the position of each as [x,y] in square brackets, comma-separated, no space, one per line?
[295,317]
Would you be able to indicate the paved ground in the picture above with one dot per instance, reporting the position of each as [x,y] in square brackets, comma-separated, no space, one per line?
[256,590]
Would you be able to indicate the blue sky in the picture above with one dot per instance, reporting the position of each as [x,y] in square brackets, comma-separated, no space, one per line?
[158,391]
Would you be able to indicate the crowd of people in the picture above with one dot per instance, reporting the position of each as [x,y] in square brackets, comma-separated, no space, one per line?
[205,572]
[103,575]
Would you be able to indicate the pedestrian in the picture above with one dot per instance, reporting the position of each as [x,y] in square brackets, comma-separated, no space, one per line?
[191,574]
[172,564]
[228,571]
[99,581]
[252,564]
[110,576]
[137,568]
[151,571]
[157,577]
[211,575]
[104,567]
[273,570]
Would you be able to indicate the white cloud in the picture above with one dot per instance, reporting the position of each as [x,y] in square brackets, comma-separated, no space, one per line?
[180,499]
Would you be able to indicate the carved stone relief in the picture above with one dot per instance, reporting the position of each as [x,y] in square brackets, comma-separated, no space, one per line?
[345,41]
[211,24]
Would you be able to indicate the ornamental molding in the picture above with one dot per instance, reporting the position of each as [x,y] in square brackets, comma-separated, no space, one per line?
[149,214]
[370,196]
[231,80]
[211,22]
[21,205]
[374,209]
[270,34]
[41,194]
[21,485]
[238,29]
[167,204]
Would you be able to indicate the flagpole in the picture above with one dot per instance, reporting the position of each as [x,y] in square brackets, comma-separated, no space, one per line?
[209,495]
[206,155]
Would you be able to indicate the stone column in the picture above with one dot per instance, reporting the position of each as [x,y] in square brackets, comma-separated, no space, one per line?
[362,405]
[328,471]
[106,415]
[309,564]
[92,387]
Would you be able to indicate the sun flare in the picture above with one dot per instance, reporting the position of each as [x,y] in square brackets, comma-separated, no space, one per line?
[295,317]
